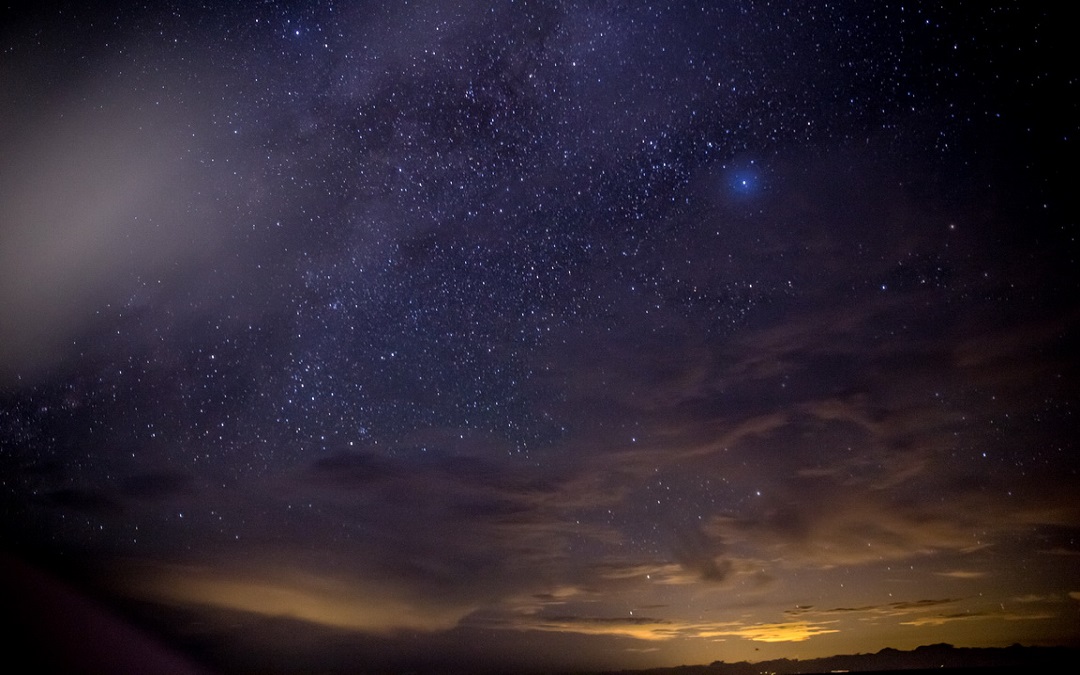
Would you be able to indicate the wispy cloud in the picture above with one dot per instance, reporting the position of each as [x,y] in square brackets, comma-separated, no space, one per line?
[942,619]
[928,612]
[660,629]
[338,602]
[774,632]
[962,574]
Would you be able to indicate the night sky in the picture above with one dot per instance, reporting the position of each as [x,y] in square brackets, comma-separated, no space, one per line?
[543,334]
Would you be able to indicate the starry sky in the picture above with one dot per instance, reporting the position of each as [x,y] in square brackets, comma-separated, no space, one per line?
[543,334]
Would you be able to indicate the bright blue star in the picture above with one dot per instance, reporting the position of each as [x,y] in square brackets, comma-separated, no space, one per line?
[744,180]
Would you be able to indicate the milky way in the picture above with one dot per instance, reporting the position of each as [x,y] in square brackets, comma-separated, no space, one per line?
[571,334]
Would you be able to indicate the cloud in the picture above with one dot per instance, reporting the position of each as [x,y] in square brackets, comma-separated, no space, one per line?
[640,628]
[451,523]
[1003,348]
[662,629]
[942,619]
[353,470]
[774,632]
[1032,598]
[834,529]
[891,609]
[1060,550]
[86,501]
[674,574]
[348,603]
[699,554]
[962,574]
[159,485]
[819,524]
[928,612]
[98,212]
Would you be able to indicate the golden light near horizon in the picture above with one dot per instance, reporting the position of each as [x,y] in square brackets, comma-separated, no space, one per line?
[291,593]
[776,632]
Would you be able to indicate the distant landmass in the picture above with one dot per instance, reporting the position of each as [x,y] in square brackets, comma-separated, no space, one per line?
[936,657]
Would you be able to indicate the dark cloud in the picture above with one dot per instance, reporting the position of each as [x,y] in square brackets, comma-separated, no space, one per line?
[353,470]
[87,501]
[158,486]
[699,554]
